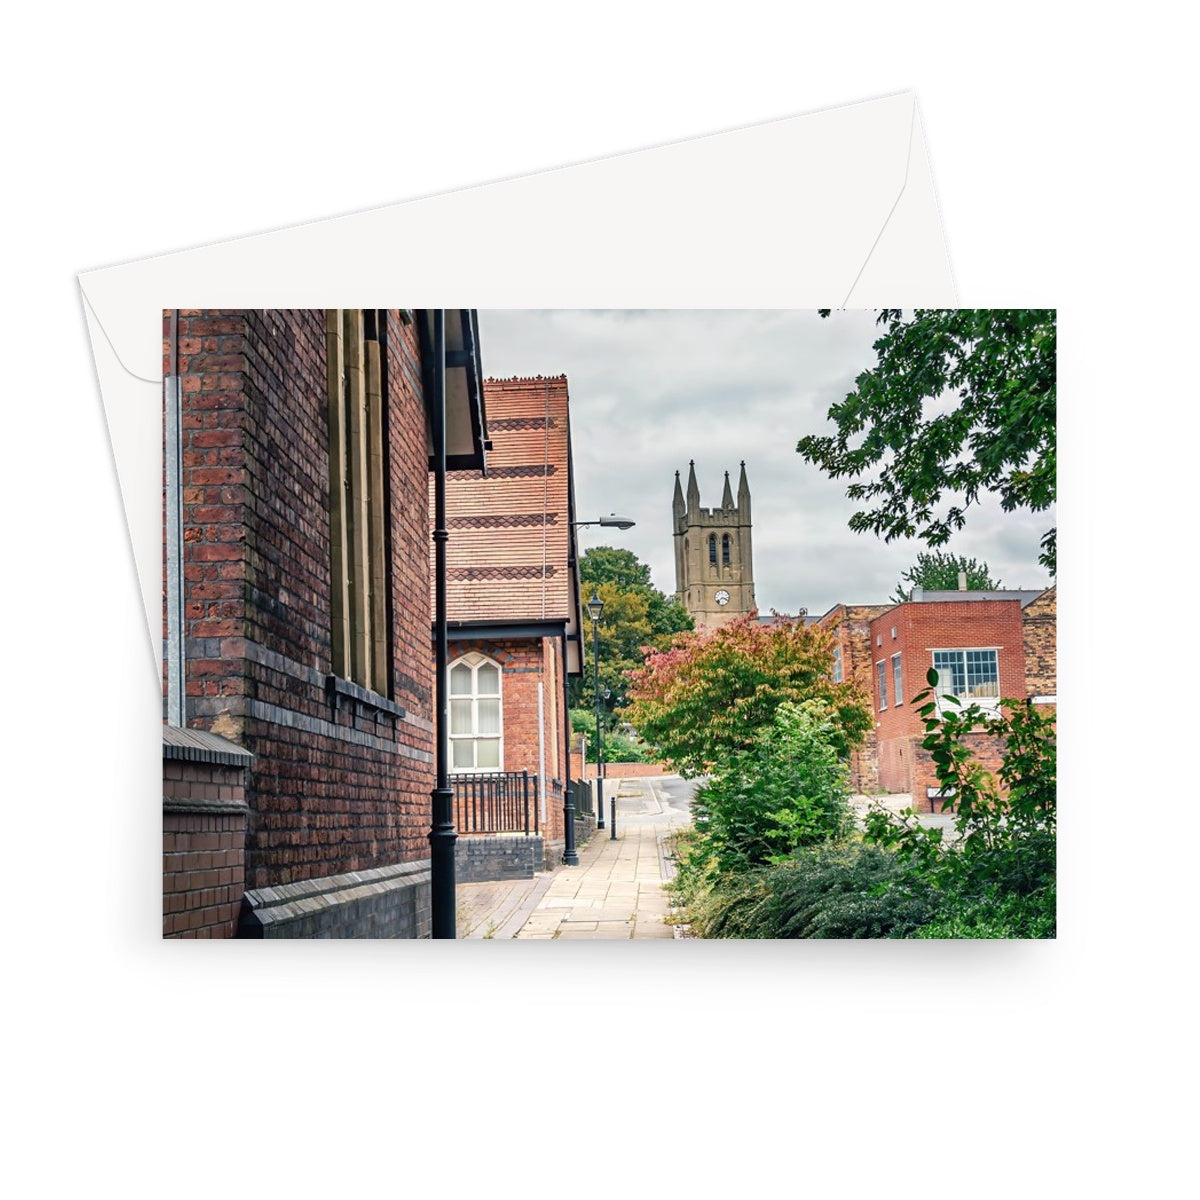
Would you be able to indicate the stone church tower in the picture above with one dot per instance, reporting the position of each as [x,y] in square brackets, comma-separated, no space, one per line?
[714,567]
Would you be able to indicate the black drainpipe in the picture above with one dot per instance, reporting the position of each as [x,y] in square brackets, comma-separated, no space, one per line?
[570,855]
[442,836]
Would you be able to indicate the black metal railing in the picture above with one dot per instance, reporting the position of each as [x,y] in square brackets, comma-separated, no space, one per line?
[499,802]
[581,790]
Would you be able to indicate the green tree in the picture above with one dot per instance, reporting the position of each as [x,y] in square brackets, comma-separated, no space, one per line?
[636,616]
[711,694]
[960,403]
[939,572]
[997,877]
[789,789]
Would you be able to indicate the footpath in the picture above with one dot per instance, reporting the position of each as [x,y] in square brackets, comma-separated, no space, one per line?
[615,893]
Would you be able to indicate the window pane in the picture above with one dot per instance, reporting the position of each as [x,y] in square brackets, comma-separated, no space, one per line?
[983,677]
[463,755]
[489,716]
[951,674]
[488,680]
[489,753]
[460,717]
[897,680]
[460,680]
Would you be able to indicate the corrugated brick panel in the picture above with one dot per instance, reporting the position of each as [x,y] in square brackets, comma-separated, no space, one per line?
[509,533]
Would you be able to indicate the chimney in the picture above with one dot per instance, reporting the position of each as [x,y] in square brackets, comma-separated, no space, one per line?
[962,581]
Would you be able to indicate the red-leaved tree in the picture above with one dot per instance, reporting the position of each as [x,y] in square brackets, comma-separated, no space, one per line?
[713,692]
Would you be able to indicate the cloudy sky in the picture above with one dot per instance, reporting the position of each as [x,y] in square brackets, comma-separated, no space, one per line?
[652,390]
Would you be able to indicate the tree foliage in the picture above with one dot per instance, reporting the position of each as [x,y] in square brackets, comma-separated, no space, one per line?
[939,572]
[711,694]
[789,789]
[997,876]
[960,403]
[636,616]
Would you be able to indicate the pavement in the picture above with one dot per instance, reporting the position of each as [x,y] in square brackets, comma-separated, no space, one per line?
[615,892]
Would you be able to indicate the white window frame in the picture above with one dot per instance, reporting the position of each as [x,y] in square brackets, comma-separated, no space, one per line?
[881,679]
[966,696]
[837,671]
[474,661]
[897,680]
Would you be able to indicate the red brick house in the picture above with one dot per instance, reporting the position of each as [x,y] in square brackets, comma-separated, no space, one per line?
[515,615]
[976,641]
[984,645]
[850,625]
[298,672]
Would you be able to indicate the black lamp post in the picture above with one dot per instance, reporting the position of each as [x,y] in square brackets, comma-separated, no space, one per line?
[612,800]
[595,607]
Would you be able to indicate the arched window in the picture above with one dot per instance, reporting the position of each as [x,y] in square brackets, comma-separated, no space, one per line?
[712,549]
[475,725]
[725,550]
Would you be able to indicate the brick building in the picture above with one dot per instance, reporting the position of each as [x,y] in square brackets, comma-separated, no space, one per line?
[984,645]
[298,666]
[850,625]
[514,608]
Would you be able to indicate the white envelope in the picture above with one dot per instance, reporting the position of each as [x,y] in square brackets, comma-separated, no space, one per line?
[830,209]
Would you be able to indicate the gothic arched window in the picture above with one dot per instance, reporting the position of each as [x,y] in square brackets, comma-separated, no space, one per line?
[725,550]
[712,549]
[475,729]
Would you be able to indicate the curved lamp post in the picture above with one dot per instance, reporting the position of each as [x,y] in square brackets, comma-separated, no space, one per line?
[595,607]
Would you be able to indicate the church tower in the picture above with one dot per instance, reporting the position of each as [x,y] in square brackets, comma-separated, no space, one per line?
[714,565]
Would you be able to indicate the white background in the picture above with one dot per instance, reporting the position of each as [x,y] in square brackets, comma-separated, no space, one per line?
[1058,151]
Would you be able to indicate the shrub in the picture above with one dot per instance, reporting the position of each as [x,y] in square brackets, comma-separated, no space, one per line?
[839,891]
[995,914]
[997,877]
[789,789]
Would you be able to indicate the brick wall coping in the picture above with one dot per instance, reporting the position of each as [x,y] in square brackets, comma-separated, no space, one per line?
[197,745]
[195,806]
[288,901]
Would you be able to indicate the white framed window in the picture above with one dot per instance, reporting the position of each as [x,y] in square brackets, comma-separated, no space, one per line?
[881,673]
[476,726]
[836,673]
[971,675]
[897,680]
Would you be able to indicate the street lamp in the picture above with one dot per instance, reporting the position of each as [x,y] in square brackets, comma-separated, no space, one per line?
[612,521]
[595,607]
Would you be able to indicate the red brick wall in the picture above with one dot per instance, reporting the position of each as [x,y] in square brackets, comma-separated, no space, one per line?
[331,791]
[203,850]
[524,663]
[920,629]
[851,628]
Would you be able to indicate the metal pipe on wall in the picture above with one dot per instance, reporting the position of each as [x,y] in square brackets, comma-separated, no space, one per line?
[173,455]
[442,836]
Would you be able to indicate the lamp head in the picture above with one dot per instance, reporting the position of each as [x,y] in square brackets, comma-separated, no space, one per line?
[595,606]
[615,522]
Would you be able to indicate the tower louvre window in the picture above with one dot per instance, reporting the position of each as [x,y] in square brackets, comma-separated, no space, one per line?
[725,550]
[712,549]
